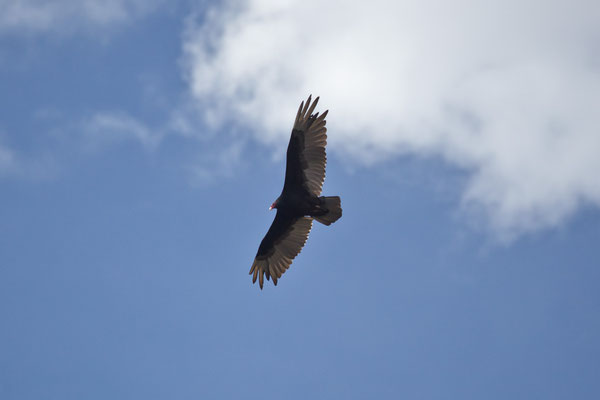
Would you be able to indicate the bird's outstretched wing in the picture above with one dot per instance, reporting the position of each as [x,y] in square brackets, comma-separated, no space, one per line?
[306,157]
[280,246]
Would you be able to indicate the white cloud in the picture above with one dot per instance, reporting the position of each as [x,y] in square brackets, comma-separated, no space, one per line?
[218,163]
[34,16]
[218,156]
[107,127]
[15,164]
[508,90]
[7,160]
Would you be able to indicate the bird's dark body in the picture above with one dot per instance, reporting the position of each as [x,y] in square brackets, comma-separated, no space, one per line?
[291,206]
[300,200]
[300,204]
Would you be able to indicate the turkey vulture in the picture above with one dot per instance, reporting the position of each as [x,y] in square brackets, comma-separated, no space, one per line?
[300,200]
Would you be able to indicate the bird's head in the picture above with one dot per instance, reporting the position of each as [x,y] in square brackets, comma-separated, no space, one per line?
[275,204]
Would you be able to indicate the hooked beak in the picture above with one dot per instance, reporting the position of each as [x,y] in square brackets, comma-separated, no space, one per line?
[270,208]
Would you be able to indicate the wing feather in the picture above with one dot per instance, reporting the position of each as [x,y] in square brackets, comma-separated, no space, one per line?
[282,243]
[306,156]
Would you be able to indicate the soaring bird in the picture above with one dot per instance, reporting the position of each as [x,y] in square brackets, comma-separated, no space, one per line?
[300,201]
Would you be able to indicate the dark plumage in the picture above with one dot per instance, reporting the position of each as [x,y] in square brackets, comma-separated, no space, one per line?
[300,200]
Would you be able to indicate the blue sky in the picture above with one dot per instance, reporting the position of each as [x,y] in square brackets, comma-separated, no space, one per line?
[141,144]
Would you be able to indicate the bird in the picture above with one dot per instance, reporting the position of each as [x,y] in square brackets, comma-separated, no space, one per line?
[300,201]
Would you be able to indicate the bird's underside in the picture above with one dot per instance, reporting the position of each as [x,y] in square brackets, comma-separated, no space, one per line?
[300,201]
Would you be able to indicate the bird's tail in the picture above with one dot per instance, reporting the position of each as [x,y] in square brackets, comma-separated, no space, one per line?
[333,206]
